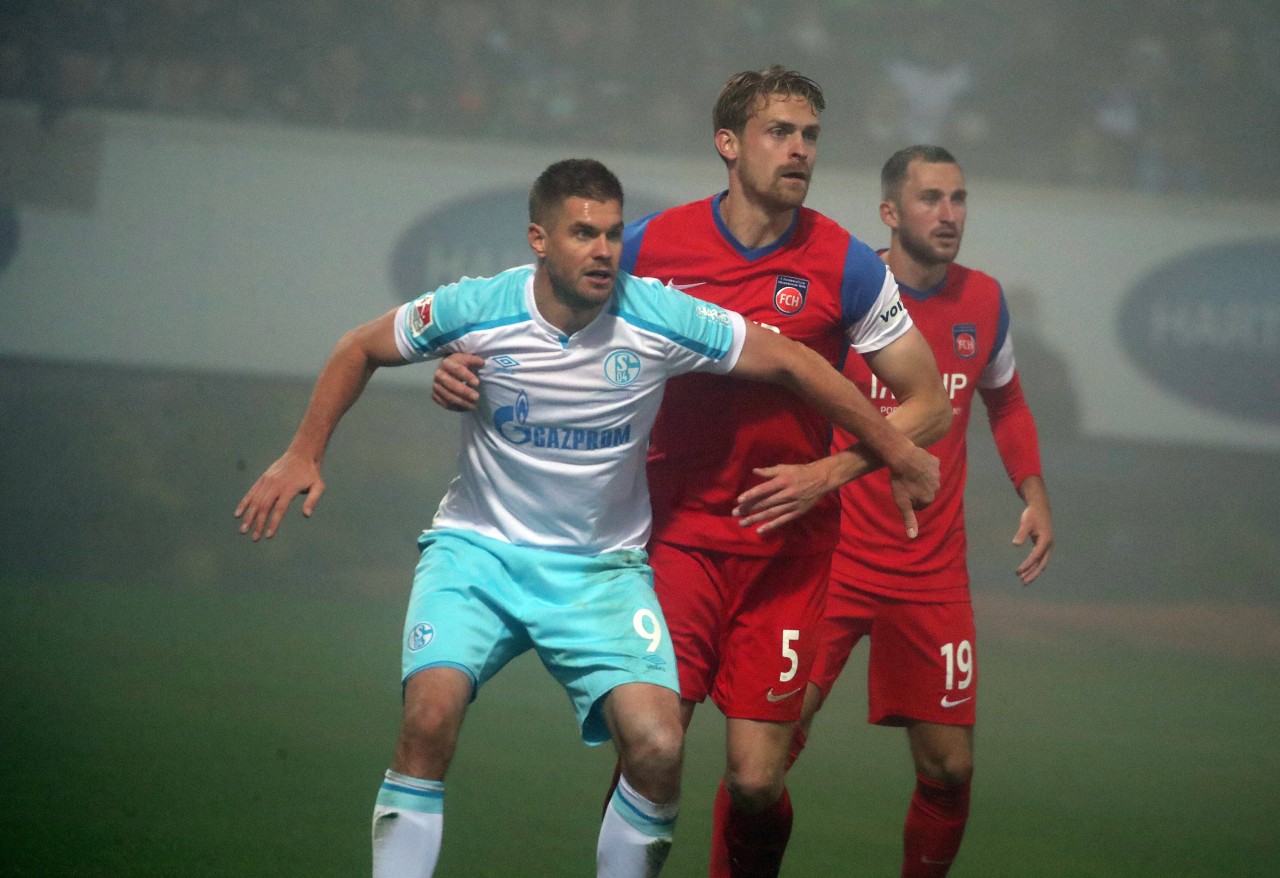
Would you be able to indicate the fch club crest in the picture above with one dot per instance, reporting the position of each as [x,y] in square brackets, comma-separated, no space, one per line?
[789,294]
[964,338]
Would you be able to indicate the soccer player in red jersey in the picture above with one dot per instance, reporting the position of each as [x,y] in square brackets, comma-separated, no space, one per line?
[743,602]
[912,596]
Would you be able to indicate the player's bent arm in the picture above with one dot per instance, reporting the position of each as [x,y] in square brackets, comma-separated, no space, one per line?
[354,359]
[907,367]
[351,363]
[769,356]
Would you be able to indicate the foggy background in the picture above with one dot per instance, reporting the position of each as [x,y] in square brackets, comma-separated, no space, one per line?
[223,187]
[197,197]
[1151,95]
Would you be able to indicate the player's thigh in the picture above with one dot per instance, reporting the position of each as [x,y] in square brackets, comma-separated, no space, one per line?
[847,618]
[435,702]
[596,624]
[644,718]
[942,752]
[756,751]
[923,664]
[691,588]
[456,616]
[769,643]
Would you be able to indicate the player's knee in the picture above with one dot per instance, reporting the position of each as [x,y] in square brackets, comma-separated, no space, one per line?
[651,760]
[753,788]
[953,769]
[655,749]
[427,726]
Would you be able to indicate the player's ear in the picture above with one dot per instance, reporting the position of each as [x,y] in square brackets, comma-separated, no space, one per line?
[727,144]
[537,240]
[889,214]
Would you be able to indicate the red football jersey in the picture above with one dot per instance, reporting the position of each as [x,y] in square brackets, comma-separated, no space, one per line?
[817,285]
[966,322]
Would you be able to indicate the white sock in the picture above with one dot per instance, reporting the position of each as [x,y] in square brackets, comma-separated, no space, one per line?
[408,823]
[635,835]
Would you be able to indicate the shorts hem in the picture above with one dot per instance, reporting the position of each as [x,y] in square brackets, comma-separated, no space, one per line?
[475,683]
[901,720]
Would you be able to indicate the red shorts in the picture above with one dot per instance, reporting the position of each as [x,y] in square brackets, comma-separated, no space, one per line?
[923,665]
[743,626]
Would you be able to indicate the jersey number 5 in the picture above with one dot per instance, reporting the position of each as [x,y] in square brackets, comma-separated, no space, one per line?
[788,635]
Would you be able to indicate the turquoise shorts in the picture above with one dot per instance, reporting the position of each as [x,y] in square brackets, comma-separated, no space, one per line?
[595,621]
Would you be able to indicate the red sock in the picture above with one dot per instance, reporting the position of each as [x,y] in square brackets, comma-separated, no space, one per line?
[748,845]
[935,826]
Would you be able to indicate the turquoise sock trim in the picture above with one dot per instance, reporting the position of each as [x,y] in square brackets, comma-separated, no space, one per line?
[639,819]
[411,794]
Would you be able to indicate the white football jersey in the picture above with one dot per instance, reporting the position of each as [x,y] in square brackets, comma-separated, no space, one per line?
[553,456]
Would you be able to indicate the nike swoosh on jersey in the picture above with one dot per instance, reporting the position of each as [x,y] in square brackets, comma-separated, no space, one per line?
[682,287]
[769,695]
[947,702]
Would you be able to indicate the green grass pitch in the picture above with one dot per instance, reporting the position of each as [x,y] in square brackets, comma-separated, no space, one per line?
[152,731]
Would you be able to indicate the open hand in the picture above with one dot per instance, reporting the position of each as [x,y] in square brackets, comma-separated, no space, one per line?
[264,506]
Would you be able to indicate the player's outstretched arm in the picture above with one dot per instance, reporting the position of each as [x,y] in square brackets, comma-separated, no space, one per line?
[790,491]
[456,383]
[908,368]
[1036,524]
[350,365]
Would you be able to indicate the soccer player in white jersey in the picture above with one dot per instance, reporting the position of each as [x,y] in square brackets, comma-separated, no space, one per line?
[539,541]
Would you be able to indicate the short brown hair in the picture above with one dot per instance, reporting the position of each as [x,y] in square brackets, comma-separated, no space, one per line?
[737,100]
[894,172]
[572,178]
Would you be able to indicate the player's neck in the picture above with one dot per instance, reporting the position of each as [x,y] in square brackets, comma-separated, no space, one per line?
[561,311]
[913,273]
[752,223]
[568,320]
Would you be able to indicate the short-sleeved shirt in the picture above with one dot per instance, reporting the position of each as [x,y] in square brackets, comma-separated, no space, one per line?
[816,284]
[553,456]
[966,322]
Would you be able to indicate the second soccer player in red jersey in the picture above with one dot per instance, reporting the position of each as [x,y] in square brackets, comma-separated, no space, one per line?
[743,605]
[911,597]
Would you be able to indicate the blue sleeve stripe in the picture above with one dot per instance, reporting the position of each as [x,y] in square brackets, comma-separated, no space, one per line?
[862,281]
[716,353]
[426,345]
[480,327]
[468,305]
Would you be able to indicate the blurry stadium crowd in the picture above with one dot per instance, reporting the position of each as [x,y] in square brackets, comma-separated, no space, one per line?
[1158,96]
